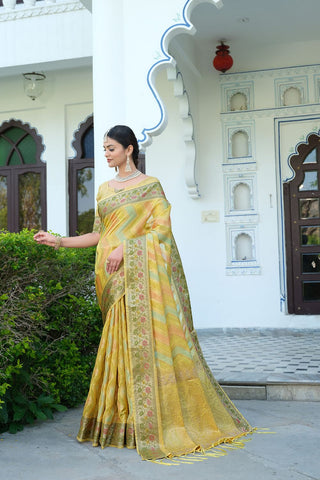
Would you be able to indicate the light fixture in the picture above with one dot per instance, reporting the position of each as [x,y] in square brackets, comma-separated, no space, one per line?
[223,60]
[33,84]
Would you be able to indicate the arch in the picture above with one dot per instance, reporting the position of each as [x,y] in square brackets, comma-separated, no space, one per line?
[239,144]
[185,26]
[292,96]
[238,101]
[243,247]
[242,196]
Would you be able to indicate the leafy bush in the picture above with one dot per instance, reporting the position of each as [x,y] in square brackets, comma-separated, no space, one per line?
[50,326]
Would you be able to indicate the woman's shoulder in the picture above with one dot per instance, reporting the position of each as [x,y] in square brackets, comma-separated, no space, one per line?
[103,189]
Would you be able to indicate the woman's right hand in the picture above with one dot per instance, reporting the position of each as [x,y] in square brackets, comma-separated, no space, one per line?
[45,238]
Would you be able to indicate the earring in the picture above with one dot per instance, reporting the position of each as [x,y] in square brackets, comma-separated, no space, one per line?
[128,167]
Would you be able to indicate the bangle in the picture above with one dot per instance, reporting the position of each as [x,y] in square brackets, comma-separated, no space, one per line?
[57,243]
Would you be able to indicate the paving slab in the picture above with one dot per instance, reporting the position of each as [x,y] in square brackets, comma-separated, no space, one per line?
[49,451]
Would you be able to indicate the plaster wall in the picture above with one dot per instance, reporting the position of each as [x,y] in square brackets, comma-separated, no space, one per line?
[56,115]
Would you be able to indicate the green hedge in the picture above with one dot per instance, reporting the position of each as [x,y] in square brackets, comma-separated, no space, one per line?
[50,328]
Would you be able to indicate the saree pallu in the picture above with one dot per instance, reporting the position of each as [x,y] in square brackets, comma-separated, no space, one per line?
[151,388]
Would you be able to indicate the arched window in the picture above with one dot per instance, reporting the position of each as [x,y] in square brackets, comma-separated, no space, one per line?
[22,178]
[81,181]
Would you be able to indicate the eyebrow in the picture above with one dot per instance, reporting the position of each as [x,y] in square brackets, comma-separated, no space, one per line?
[110,145]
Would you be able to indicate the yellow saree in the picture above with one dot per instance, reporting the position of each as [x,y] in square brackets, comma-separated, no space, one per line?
[151,388]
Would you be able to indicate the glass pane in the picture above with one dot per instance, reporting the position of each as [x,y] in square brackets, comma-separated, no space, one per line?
[311,291]
[28,150]
[309,208]
[311,157]
[14,133]
[87,144]
[5,149]
[310,263]
[86,202]
[15,159]
[310,181]
[3,204]
[310,235]
[29,201]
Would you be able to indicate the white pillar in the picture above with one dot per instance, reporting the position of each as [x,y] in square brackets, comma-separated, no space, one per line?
[108,76]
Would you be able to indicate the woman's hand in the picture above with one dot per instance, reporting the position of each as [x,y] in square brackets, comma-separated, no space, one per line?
[45,238]
[114,259]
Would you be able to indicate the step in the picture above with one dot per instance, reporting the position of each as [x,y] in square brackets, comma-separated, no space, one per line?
[277,391]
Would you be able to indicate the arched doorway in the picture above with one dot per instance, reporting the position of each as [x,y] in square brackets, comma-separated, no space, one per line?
[302,227]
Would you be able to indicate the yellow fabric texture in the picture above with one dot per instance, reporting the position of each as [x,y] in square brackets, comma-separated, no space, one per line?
[151,388]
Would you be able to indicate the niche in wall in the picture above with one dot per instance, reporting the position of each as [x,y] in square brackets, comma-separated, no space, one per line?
[292,96]
[240,193]
[242,251]
[238,101]
[243,248]
[239,140]
[291,91]
[237,96]
[239,144]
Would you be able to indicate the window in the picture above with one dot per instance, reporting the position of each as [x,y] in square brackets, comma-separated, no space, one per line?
[81,181]
[22,178]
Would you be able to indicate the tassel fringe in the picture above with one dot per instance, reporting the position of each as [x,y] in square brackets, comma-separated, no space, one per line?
[220,450]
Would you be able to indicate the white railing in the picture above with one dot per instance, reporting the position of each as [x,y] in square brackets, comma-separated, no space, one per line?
[11,10]
[11,4]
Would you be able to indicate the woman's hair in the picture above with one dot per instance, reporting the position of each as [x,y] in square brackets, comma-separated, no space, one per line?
[125,136]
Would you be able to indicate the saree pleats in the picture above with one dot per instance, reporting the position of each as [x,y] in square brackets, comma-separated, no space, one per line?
[107,417]
[151,387]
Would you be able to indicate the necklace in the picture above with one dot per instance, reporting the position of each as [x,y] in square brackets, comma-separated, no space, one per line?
[135,174]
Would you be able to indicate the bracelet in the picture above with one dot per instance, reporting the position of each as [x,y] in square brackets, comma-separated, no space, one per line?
[57,243]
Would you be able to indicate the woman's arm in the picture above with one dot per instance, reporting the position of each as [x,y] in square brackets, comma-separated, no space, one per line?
[82,241]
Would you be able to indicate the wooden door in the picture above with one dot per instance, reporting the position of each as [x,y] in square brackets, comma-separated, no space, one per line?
[302,229]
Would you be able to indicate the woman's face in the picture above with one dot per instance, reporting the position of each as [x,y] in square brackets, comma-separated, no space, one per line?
[115,153]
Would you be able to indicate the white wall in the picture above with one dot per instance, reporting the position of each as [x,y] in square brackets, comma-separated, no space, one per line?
[219,300]
[46,38]
[65,103]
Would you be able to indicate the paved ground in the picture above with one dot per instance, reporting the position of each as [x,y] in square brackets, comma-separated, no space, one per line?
[49,451]
[257,356]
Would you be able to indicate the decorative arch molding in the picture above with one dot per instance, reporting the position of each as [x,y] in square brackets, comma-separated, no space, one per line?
[78,135]
[298,151]
[187,121]
[166,60]
[40,147]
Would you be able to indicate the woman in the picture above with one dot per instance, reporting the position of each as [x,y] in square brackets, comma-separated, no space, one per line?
[151,388]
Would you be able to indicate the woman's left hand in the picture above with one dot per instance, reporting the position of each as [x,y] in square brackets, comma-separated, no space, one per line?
[114,259]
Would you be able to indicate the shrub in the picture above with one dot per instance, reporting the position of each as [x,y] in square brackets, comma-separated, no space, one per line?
[50,326]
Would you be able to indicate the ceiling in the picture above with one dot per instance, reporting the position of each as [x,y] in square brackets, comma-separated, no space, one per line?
[261,21]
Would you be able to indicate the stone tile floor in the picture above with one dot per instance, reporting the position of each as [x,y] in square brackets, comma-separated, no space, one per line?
[255,355]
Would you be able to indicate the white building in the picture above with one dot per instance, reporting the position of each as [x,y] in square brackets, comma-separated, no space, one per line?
[237,153]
